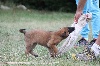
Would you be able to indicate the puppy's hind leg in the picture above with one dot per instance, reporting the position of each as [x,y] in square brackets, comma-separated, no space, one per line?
[31,52]
[29,49]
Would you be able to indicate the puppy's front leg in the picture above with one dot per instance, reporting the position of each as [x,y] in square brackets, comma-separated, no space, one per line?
[54,48]
[51,52]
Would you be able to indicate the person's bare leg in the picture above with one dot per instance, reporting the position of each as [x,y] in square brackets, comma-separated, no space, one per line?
[98,40]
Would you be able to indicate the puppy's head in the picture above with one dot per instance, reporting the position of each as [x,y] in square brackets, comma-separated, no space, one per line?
[64,32]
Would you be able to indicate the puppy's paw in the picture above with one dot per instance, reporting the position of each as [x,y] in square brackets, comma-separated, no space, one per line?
[36,55]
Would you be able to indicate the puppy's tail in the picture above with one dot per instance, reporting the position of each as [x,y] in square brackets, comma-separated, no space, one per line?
[22,31]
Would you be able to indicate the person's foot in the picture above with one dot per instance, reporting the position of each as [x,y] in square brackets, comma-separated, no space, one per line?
[86,55]
[82,41]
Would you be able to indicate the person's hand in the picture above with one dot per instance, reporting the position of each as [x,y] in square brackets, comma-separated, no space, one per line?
[77,16]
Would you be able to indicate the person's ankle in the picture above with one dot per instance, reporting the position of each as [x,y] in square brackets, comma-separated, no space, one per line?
[96,49]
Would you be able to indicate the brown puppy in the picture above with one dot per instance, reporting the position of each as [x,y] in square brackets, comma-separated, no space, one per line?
[48,39]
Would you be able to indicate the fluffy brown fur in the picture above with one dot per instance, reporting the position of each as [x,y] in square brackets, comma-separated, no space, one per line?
[48,39]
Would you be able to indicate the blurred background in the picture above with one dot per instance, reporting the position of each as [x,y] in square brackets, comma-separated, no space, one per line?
[51,5]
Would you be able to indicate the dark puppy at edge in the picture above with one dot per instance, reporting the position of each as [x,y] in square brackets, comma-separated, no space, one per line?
[48,39]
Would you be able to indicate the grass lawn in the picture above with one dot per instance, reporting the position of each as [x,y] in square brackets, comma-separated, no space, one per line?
[12,45]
